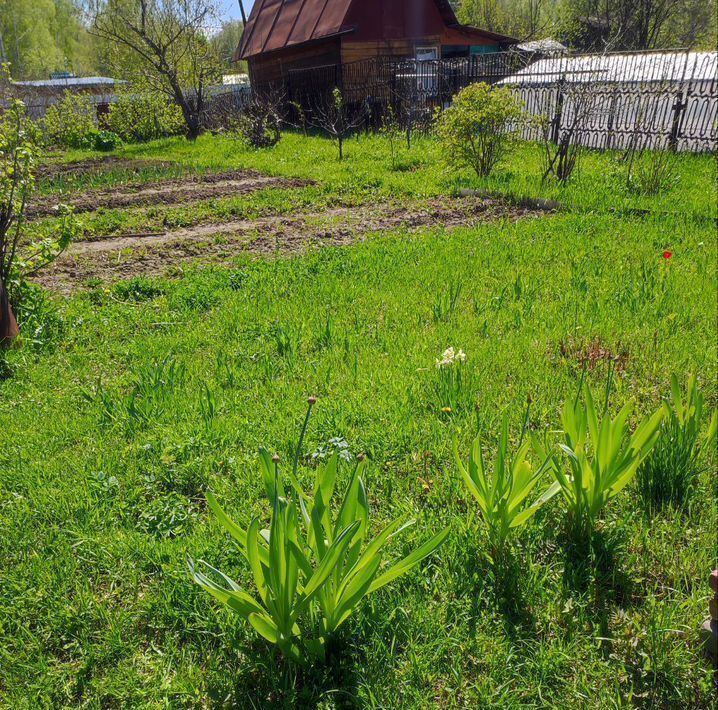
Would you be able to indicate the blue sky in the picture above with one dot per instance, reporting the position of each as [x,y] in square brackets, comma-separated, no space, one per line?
[229,9]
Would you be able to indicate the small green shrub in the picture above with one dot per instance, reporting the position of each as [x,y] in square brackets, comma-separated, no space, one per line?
[38,316]
[603,457]
[260,124]
[138,118]
[653,173]
[314,564]
[670,474]
[503,496]
[480,126]
[71,123]
[106,141]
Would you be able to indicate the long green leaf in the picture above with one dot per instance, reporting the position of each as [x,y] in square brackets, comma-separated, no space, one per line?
[409,561]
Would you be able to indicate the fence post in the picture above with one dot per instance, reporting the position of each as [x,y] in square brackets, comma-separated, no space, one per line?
[556,121]
[678,109]
[611,120]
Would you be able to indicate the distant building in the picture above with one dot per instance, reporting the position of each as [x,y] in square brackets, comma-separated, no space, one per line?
[235,80]
[287,35]
[40,94]
[546,46]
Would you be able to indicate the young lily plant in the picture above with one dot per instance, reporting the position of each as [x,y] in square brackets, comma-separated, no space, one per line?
[313,566]
[504,495]
[602,455]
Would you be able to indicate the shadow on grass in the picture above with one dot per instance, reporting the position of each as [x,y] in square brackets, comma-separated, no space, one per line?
[267,680]
[496,583]
[594,564]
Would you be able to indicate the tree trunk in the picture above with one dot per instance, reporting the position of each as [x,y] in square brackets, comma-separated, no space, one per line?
[191,118]
[8,325]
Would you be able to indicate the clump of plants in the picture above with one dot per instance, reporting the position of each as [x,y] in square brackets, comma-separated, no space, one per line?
[504,494]
[72,123]
[670,474]
[600,457]
[315,563]
[480,127]
[450,385]
[652,173]
[260,124]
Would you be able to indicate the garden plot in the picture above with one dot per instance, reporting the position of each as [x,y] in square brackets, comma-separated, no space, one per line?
[95,166]
[174,191]
[122,257]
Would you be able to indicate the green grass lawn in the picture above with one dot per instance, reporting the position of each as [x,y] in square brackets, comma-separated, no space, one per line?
[102,502]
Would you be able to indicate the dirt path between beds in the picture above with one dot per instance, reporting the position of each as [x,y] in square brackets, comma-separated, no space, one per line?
[192,188]
[113,259]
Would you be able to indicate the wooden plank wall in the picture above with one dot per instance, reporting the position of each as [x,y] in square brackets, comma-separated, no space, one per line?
[273,66]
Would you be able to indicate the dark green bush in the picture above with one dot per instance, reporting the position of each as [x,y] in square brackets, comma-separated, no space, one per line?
[106,141]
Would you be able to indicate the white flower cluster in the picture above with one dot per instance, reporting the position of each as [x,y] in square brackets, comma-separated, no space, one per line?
[450,358]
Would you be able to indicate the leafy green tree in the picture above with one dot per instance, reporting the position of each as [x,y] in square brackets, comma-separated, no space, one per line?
[41,36]
[166,47]
[648,24]
[523,19]
[225,44]
[598,24]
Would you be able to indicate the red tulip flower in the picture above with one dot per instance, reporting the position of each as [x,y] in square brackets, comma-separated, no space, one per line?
[667,255]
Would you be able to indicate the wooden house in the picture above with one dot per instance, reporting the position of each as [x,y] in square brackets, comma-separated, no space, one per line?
[283,36]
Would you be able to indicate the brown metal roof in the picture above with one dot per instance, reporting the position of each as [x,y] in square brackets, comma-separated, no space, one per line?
[277,24]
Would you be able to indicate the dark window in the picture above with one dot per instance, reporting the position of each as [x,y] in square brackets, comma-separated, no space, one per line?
[451,51]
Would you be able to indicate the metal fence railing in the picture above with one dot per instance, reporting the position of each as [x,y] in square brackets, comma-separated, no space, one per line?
[609,101]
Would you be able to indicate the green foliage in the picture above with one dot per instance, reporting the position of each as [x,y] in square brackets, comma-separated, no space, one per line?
[602,454]
[71,122]
[670,474]
[313,564]
[38,316]
[446,303]
[152,385]
[260,125]
[593,24]
[479,127]
[144,116]
[504,495]
[42,36]
[86,510]
[21,258]
[19,154]
[653,173]
[106,141]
